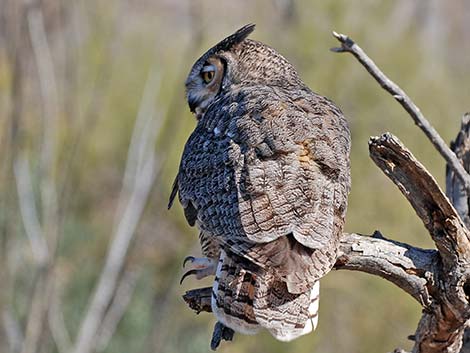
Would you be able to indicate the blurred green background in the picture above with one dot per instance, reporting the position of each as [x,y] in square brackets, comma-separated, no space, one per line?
[74,76]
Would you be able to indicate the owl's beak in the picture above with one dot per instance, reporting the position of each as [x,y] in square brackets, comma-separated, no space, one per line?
[193,102]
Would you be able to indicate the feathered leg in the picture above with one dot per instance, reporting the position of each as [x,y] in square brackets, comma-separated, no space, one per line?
[232,297]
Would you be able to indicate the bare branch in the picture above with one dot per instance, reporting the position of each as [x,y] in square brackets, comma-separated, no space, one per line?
[455,190]
[422,191]
[410,268]
[348,45]
[199,299]
[441,328]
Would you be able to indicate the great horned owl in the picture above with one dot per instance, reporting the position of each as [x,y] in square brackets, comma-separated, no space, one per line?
[265,176]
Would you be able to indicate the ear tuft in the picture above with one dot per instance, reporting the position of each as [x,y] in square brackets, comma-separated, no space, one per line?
[233,39]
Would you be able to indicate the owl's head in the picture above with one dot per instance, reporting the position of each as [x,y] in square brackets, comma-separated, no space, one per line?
[236,61]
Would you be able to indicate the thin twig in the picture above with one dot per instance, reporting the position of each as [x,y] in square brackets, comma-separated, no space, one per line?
[348,45]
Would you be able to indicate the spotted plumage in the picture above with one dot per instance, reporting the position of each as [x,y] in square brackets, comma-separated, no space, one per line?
[265,177]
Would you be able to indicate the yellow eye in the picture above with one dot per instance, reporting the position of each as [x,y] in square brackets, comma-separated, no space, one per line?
[208,76]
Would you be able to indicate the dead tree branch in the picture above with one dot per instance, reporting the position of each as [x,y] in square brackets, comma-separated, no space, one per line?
[410,268]
[348,45]
[422,191]
[457,193]
[455,190]
[442,325]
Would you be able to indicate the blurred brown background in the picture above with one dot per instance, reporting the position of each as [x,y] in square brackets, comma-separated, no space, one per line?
[93,123]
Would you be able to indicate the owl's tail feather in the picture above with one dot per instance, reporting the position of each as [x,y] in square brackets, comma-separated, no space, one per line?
[287,316]
[245,302]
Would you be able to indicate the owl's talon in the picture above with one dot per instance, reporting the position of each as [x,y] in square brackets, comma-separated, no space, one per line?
[188,273]
[188,258]
[203,267]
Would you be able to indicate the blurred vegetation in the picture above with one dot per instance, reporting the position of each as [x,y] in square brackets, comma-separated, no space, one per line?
[103,54]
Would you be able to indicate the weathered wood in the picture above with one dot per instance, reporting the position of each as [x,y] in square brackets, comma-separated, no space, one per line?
[428,200]
[199,299]
[457,193]
[442,325]
[455,190]
[410,268]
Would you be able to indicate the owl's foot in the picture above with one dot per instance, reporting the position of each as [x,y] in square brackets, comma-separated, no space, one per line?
[202,267]
[199,262]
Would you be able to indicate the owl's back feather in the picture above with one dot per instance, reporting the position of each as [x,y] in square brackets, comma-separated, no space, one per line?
[268,173]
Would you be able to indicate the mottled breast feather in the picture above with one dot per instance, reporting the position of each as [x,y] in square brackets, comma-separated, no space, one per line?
[266,173]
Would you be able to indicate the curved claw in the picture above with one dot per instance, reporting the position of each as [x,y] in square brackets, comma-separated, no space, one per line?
[188,258]
[188,273]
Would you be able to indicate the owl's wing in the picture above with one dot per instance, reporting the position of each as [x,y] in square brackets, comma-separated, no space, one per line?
[294,175]
[189,211]
[267,178]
